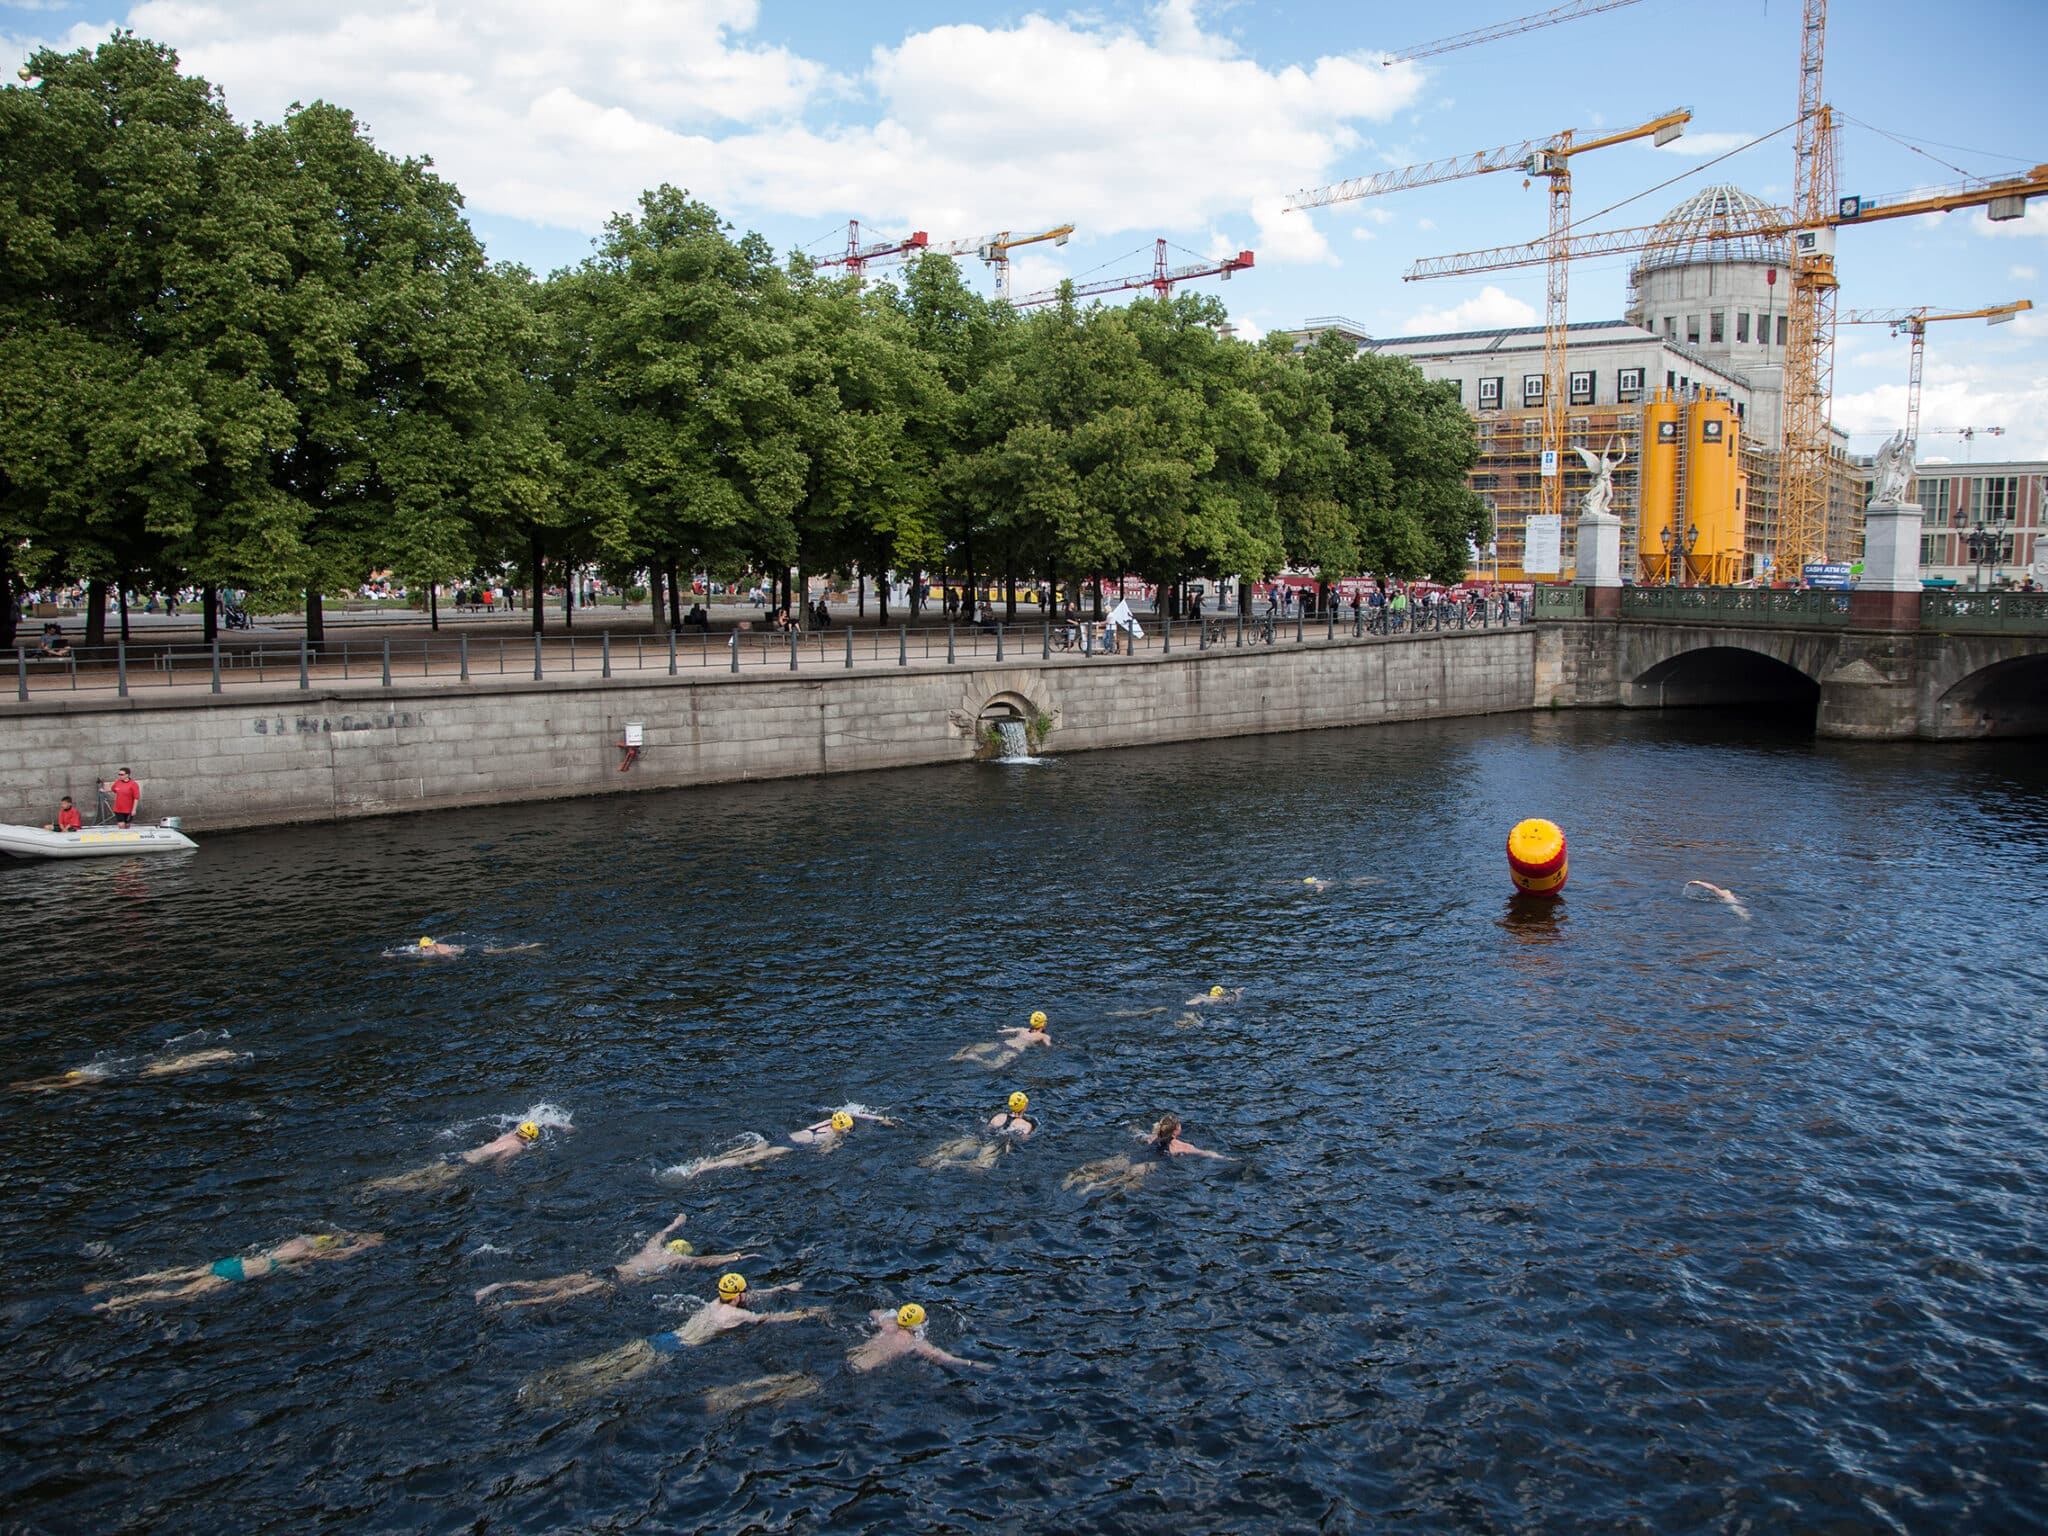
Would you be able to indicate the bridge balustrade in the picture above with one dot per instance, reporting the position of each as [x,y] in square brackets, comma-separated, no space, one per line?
[1736,605]
[1985,613]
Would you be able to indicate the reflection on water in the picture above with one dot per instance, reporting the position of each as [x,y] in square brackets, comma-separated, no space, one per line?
[1622,1212]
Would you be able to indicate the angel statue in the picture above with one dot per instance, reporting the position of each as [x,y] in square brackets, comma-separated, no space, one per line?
[1600,494]
[1893,475]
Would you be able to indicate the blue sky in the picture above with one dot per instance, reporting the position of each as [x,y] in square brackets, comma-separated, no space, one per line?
[1191,121]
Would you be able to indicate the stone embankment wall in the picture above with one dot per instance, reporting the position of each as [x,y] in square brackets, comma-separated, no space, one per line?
[265,756]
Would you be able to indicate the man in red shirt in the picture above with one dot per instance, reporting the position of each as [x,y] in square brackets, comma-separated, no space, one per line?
[127,796]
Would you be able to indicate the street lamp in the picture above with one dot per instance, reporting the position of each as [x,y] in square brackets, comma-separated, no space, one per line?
[1692,539]
[1987,546]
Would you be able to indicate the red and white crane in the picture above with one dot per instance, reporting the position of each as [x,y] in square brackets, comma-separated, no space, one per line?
[858,256]
[1160,279]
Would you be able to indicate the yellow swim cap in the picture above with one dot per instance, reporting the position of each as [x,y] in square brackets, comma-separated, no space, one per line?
[1215,991]
[910,1315]
[325,1240]
[732,1285]
[426,943]
[74,1072]
[1038,1019]
[842,1122]
[528,1131]
[680,1245]
[1308,879]
[1018,1103]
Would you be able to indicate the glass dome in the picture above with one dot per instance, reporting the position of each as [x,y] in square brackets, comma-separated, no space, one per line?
[1721,224]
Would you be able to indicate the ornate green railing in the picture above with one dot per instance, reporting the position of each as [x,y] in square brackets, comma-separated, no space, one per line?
[1558,602]
[1980,613]
[1735,605]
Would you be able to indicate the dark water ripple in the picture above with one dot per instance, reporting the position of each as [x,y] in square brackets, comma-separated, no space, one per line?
[1633,1217]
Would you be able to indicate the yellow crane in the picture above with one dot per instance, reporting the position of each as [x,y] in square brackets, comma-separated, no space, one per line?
[1799,535]
[1913,323]
[1550,159]
[995,250]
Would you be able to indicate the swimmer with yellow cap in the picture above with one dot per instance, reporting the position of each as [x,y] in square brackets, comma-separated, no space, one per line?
[1010,1121]
[428,949]
[898,1336]
[661,1254]
[995,1054]
[1214,995]
[524,1135]
[733,1308]
[827,1134]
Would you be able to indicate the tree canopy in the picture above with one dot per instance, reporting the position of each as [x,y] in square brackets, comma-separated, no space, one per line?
[275,357]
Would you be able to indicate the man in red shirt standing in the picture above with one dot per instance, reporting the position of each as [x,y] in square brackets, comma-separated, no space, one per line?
[127,796]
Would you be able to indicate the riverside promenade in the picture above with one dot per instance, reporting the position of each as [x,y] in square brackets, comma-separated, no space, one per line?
[260,730]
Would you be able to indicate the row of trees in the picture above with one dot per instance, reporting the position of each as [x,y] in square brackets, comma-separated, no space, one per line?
[276,358]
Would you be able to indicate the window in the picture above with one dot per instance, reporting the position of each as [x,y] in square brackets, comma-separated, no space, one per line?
[1714,325]
[1999,498]
[1692,329]
[1671,327]
[1628,385]
[1457,389]
[1670,379]
[1489,394]
[1532,434]
[1532,389]
[1742,325]
[1582,388]
[1781,330]
[1933,498]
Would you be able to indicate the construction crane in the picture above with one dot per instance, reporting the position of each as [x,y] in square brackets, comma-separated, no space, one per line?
[1551,159]
[1160,279]
[858,256]
[1801,536]
[1913,323]
[1521,24]
[995,250]
[1809,371]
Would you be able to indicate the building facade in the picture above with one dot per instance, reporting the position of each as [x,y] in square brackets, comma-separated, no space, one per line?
[2002,504]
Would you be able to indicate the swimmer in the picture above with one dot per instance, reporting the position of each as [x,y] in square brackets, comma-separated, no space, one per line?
[106,1072]
[899,1335]
[781,1388]
[965,1152]
[1700,890]
[1215,995]
[1165,1142]
[498,1150]
[425,949]
[1314,886]
[732,1309]
[661,1253]
[1010,1121]
[200,1280]
[1117,1175]
[1014,1042]
[1135,1013]
[828,1133]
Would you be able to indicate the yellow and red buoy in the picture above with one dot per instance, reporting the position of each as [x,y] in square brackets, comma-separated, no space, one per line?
[1536,857]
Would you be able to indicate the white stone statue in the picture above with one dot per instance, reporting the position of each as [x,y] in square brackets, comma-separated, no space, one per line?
[1894,473]
[1599,496]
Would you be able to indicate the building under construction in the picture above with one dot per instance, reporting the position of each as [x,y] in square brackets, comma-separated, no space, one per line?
[1686,393]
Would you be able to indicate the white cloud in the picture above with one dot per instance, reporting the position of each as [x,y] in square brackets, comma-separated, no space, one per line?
[1990,393]
[1491,309]
[2022,274]
[1363,234]
[560,113]
[2033,227]
[1289,239]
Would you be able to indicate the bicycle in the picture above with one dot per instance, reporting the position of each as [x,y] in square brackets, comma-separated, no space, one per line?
[1066,637]
[1262,630]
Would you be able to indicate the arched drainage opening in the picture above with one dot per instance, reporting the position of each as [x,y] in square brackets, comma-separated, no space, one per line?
[1009,727]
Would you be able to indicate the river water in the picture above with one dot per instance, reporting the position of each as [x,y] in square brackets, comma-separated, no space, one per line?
[1634,1215]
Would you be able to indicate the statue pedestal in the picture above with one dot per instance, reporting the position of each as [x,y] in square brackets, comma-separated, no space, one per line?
[1600,564]
[1888,595]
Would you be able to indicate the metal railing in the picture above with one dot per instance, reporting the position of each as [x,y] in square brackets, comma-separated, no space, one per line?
[1985,613]
[1560,602]
[1736,605]
[133,669]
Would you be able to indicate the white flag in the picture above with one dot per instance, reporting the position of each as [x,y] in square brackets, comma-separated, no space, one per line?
[1122,617]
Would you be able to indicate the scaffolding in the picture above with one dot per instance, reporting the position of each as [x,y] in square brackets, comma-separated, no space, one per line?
[1509,478]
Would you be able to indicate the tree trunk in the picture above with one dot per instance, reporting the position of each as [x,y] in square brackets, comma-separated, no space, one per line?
[1009,585]
[316,619]
[209,612]
[95,612]
[801,583]
[535,558]
[655,576]
[1098,599]
[121,592]
[433,605]
[10,610]
[860,602]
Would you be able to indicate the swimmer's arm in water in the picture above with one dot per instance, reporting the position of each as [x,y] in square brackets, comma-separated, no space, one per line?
[932,1351]
[797,1315]
[862,1114]
[1189,1149]
[509,949]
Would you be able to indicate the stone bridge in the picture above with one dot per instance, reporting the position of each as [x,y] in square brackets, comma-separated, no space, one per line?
[1860,684]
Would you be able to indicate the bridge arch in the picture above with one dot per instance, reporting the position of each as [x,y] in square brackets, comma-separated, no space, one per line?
[1717,671]
[2006,698]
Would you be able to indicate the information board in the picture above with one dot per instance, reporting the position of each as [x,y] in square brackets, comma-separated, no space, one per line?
[1544,555]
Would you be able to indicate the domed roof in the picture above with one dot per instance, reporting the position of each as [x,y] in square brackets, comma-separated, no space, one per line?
[1718,224]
